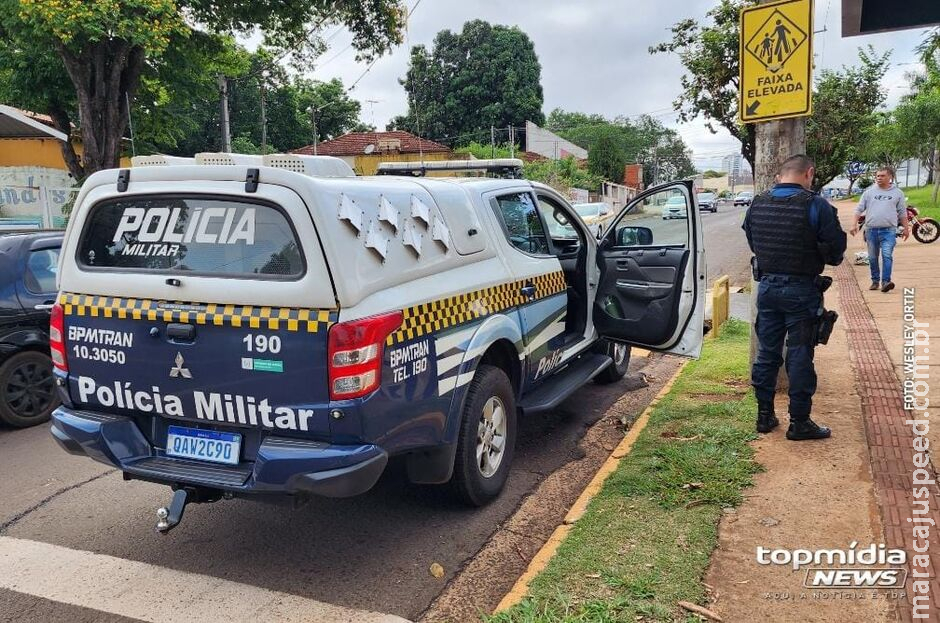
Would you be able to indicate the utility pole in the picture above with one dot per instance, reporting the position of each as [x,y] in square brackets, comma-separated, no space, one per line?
[492,142]
[512,142]
[264,116]
[226,131]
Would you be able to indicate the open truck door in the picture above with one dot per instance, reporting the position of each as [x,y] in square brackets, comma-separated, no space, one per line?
[651,287]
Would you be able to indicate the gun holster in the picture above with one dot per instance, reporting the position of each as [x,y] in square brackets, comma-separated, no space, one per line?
[825,322]
[755,269]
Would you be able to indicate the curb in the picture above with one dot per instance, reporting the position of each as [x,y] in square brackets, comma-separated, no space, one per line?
[541,559]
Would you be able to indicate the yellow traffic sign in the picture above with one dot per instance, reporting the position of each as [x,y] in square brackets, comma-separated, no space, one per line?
[776,61]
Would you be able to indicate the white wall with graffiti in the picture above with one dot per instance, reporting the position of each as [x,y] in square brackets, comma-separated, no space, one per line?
[33,197]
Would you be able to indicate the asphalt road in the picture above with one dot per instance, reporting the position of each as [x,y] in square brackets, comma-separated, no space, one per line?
[77,542]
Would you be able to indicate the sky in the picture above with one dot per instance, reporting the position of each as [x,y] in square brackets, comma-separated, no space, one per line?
[594,57]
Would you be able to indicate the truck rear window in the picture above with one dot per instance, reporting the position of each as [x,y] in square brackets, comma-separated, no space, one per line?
[208,236]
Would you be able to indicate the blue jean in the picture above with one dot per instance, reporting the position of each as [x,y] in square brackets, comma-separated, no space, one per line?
[786,306]
[881,240]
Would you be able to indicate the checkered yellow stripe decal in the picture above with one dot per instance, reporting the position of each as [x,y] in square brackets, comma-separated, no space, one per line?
[273,318]
[455,310]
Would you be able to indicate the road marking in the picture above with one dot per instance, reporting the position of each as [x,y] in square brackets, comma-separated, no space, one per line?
[545,554]
[151,593]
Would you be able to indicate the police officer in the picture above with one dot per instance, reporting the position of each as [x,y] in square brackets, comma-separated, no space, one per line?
[793,234]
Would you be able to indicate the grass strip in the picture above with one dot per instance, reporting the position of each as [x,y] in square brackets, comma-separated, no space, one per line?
[922,199]
[646,539]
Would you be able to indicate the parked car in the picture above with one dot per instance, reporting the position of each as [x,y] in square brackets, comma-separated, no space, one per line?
[743,198]
[595,215]
[249,329]
[675,207]
[707,201]
[28,264]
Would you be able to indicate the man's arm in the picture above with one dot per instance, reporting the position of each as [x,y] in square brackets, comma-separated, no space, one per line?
[746,226]
[902,217]
[859,213]
[829,233]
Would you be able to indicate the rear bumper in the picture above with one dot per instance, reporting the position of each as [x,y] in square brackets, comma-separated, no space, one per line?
[283,465]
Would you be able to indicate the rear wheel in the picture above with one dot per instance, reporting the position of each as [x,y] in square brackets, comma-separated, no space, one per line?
[28,389]
[927,230]
[487,439]
[620,353]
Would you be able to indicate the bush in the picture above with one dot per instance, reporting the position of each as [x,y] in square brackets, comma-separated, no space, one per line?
[865,182]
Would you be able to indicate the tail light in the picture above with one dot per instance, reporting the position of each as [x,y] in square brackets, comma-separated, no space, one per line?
[57,338]
[355,352]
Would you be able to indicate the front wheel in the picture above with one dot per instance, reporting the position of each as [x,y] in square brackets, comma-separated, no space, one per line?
[927,230]
[28,389]
[487,437]
[620,353]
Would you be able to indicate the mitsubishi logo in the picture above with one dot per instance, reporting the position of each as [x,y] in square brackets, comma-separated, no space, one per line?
[178,370]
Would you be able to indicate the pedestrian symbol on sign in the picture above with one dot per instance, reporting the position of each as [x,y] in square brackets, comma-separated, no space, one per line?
[776,41]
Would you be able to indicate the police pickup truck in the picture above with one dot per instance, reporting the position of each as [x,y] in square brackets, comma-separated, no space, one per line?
[232,325]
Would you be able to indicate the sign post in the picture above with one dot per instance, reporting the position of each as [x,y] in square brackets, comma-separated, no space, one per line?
[776,61]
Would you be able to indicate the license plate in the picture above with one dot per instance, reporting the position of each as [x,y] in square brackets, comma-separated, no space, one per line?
[203,445]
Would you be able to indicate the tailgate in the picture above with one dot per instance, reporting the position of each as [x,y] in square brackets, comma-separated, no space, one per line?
[208,310]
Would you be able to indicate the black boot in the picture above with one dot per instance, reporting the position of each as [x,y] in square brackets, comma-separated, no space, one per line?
[766,420]
[802,430]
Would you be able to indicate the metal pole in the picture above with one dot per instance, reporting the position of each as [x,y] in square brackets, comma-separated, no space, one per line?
[512,142]
[492,142]
[316,135]
[130,123]
[226,132]
[264,123]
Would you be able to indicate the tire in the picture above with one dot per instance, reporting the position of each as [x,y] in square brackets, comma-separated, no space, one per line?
[620,353]
[927,231]
[490,393]
[27,389]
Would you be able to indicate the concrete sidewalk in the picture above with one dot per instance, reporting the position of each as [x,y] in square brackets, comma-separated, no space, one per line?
[916,266]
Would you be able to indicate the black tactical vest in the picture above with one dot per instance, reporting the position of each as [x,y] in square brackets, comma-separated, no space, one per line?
[784,241]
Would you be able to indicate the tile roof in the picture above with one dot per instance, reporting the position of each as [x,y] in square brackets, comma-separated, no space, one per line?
[354,144]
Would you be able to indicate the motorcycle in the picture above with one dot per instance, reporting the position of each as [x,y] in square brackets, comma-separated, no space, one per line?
[924,229]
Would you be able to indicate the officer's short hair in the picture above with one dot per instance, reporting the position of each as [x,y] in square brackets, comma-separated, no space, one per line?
[798,164]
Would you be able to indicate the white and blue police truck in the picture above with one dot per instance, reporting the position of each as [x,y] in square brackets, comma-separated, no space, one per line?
[234,325]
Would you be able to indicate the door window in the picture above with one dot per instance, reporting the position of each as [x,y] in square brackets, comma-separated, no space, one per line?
[41,269]
[661,219]
[522,224]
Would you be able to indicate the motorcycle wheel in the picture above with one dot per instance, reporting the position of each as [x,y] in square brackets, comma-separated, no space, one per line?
[927,230]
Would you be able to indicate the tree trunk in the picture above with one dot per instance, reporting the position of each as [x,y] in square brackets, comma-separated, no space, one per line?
[936,169]
[62,123]
[104,75]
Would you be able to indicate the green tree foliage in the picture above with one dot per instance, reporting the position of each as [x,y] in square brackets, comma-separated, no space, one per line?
[562,174]
[709,53]
[710,174]
[105,47]
[660,149]
[607,159]
[843,119]
[483,76]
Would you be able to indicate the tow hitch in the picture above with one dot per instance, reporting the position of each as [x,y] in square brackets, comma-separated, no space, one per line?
[169,518]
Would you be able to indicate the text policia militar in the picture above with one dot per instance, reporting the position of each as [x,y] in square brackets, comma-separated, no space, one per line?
[916,358]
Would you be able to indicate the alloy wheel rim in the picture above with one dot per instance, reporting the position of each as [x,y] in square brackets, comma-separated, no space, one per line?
[29,390]
[491,436]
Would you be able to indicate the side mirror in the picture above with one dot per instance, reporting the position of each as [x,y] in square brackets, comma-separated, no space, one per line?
[634,236]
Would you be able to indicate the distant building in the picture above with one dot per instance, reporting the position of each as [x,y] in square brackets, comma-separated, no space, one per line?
[550,145]
[363,151]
